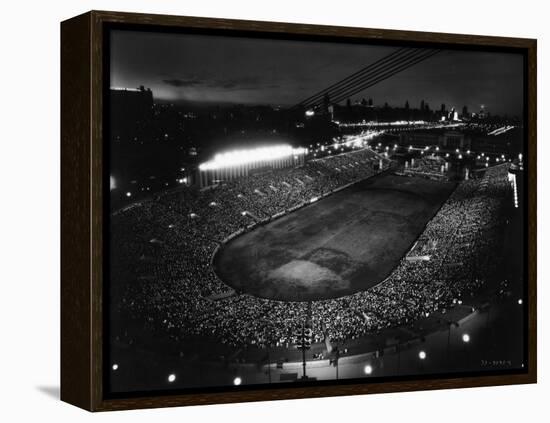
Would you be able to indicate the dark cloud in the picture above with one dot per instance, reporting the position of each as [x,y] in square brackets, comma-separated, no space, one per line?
[182,82]
[241,83]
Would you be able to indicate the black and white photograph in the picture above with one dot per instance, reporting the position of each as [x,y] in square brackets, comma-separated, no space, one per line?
[290,211]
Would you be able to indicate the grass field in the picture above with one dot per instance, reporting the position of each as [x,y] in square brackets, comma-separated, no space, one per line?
[347,242]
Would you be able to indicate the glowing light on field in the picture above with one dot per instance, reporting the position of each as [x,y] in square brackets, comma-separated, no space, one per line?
[314,199]
[171,378]
[520,301]
[243,157]
[422,355]
[466,338]
[368,369]
[310,113]
[112,183]
[128,194]
[237,381]
[115,366]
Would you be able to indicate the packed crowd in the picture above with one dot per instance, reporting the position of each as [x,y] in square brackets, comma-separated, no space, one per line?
[161,260]
[428,166]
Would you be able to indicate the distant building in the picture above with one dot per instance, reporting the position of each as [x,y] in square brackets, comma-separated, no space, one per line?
[483,114]
[419,139]
[445,140]
[131,110]
[452,140]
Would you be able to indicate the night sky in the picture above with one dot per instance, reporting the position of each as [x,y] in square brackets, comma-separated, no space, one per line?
[203,68]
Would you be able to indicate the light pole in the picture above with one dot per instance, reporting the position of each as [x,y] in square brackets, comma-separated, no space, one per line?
[304,343]
[422,356]
[465,340]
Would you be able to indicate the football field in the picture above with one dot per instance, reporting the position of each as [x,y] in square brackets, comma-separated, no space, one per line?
[344,243]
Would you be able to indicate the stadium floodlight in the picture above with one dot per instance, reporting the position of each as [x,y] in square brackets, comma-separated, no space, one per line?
[128,194]
[171,378]
[115,366]
[310,113]
[422,355]
[368,369]
[243,157]
[237,381]
[466,338]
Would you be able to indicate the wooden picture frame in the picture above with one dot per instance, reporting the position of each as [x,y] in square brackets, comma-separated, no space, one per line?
[83,189]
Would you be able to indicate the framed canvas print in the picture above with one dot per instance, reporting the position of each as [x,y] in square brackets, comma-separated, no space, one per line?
[257,211]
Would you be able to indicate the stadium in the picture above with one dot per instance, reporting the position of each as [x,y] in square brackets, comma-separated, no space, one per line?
[293,270]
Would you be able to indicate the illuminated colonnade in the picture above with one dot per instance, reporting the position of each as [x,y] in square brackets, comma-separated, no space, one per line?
[239,163]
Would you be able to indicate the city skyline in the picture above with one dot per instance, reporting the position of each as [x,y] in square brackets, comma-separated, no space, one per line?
[214,69]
